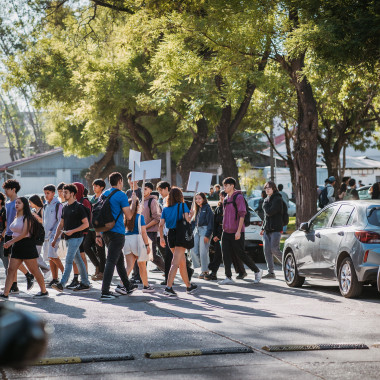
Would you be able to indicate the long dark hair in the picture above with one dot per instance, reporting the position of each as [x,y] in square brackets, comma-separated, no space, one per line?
[36,200]
[375,194]
[130,224]
[31,220]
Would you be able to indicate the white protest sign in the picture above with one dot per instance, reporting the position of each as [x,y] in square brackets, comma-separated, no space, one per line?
[199,182]
[152,170]
[134,158]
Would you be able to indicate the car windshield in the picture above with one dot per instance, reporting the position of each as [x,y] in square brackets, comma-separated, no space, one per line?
[373,215]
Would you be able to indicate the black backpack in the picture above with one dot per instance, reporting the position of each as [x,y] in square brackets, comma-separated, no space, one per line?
[102,218]
[247,217]
[285,215]
[322,199]
[39,235]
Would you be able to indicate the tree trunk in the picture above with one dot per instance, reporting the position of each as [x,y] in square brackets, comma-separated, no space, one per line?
[305,147]
[226,157]
[103,167]
[190,158]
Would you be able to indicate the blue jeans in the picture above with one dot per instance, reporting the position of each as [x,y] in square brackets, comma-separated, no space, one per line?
[199,253]
[73,254]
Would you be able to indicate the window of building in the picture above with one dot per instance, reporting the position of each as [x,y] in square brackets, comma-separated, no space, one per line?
[38,173]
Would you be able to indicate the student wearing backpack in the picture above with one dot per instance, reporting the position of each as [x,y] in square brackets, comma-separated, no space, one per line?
[51,217]
[203,225]
[73,222]
[274,208]
[352,193]
[24,229]
[83,200]
[96,253]
[114,238]
[37,208]
[235,213]
[152,216]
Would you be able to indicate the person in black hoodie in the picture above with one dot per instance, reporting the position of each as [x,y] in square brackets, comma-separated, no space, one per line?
[272,226]
[217,236]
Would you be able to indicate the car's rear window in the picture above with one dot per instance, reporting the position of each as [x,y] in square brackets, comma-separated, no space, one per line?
[373,215]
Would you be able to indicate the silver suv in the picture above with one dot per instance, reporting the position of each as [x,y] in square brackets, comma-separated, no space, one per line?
[342,241]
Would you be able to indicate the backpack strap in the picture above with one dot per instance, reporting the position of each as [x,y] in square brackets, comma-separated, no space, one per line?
[149,206]
[235,204]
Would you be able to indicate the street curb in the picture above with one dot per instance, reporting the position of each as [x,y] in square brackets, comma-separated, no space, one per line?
[83,359]
[197,352]
[314,347]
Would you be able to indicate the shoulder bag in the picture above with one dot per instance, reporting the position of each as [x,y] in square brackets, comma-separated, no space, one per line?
[184,232]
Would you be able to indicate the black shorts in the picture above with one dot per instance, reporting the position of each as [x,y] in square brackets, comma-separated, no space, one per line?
[7,251]
[24,249]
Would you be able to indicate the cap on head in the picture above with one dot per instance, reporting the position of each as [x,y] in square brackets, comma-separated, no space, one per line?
[332,179]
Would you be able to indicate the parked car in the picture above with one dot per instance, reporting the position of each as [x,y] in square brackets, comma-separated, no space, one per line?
[363,192]
[342,241]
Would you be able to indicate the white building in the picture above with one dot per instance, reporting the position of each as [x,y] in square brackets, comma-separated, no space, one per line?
[50,167]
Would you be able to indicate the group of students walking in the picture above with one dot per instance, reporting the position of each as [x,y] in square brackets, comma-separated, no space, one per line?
[32,233]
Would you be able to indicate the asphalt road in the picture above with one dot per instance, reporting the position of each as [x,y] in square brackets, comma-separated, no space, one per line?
[245,314]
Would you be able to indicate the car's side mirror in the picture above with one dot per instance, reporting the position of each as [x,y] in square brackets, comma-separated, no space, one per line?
[304,227]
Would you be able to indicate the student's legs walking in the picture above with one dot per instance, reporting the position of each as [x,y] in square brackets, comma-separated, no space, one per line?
[179,261]
[227,248]
[82,268]
[268,251]
[3,258]
[115,257]
[32,265]
[204,249]
[238,247]
[72,248]
[168,258]
[157,259]
[12,271]
[195,251]
[143,272]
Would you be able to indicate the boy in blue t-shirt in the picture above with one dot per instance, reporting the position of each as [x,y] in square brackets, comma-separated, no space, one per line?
[115,238]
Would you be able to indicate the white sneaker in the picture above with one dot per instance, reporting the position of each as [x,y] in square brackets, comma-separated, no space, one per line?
[226,281]
[258,276]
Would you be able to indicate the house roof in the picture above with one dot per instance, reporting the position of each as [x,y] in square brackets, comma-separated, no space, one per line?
[21,161]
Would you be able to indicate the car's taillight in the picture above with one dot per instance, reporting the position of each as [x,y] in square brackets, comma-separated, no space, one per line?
[257,223]
[368,237]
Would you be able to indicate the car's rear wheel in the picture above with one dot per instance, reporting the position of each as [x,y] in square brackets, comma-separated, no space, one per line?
[349,285]
[292,278]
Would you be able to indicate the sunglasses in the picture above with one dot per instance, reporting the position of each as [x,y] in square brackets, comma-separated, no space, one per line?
[267,187]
